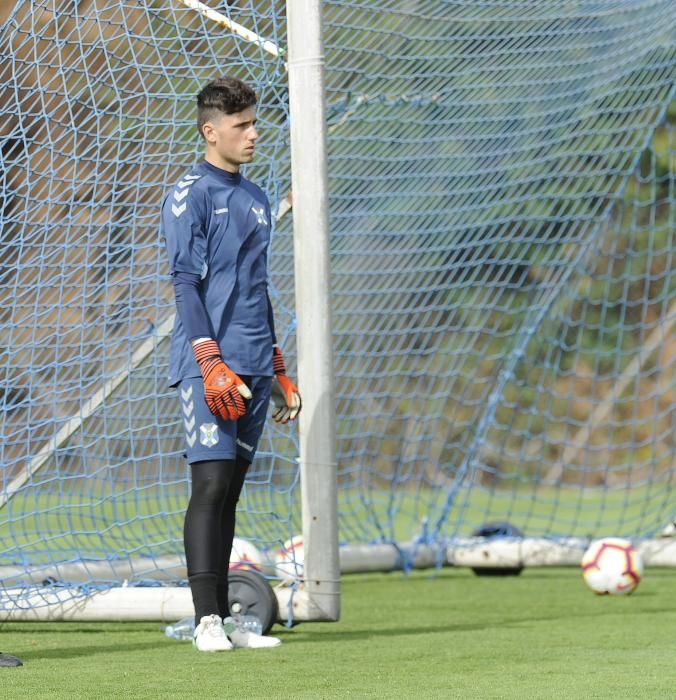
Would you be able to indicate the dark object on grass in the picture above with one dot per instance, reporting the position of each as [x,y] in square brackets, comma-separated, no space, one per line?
[494,531]
[7,661]
[250,594]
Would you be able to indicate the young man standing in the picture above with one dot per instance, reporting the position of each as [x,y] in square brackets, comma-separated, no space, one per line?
[224,358]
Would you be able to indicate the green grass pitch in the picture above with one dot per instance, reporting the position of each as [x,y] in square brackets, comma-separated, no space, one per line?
[431,634]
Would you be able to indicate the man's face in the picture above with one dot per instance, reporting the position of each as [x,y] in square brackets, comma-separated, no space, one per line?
[231,139]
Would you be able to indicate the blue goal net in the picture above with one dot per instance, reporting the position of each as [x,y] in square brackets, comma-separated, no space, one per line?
[502,217]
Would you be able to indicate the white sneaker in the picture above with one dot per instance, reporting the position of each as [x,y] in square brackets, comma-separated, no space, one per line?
[210,635]
[245,639]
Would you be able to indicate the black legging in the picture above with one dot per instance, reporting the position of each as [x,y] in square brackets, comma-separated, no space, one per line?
[209,529]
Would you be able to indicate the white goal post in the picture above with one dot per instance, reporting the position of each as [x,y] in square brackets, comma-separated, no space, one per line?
[319,598]
[295,602]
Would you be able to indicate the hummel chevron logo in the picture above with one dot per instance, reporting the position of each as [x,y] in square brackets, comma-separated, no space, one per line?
[190,439]
[221,211]
[188,409]
[189,424]
[186,393]
[178,196]
[185,183]
[178,210]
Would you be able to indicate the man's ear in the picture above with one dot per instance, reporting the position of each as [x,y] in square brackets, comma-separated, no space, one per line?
[208,132]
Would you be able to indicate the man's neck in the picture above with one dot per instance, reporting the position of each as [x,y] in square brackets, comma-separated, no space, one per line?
[222,164]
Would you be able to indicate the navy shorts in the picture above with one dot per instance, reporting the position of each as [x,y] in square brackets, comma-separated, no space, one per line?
[209,437]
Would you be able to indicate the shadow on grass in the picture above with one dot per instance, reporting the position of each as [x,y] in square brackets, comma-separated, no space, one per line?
[80,652]
[115,638]
[93,628]
[106,638]
[335,634]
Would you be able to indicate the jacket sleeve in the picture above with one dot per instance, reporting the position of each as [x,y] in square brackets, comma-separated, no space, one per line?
[271,320]
[184,227]
[190,307]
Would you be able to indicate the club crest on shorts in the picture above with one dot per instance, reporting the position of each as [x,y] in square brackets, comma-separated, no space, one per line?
[209,434]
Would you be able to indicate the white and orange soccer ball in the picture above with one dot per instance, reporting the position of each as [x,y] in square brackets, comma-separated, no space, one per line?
[289,560]
[245,555]
[612,566]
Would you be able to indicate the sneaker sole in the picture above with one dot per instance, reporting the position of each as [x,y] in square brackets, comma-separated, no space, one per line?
[210,651]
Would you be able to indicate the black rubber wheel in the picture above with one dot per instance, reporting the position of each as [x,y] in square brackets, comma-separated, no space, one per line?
[493,531]
[249,593]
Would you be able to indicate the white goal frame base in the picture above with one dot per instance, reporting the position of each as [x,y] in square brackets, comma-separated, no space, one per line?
[130,604]
[171,603]
[532,552]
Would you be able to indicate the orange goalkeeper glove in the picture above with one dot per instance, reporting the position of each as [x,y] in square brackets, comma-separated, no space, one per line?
[224,391]
[285,394]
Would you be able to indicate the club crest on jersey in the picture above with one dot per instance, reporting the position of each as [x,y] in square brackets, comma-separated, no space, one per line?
[209,434]
[260,215]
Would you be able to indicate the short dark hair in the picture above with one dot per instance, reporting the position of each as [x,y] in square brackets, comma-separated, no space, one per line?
[226,95]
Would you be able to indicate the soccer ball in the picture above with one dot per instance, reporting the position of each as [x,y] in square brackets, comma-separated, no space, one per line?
[245,555]
[612,566]
[289,560]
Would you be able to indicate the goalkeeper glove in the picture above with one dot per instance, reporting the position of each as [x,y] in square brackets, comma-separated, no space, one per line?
[224,391]
[285,394]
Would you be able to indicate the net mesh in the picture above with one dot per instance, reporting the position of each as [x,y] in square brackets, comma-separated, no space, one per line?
[502,217]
